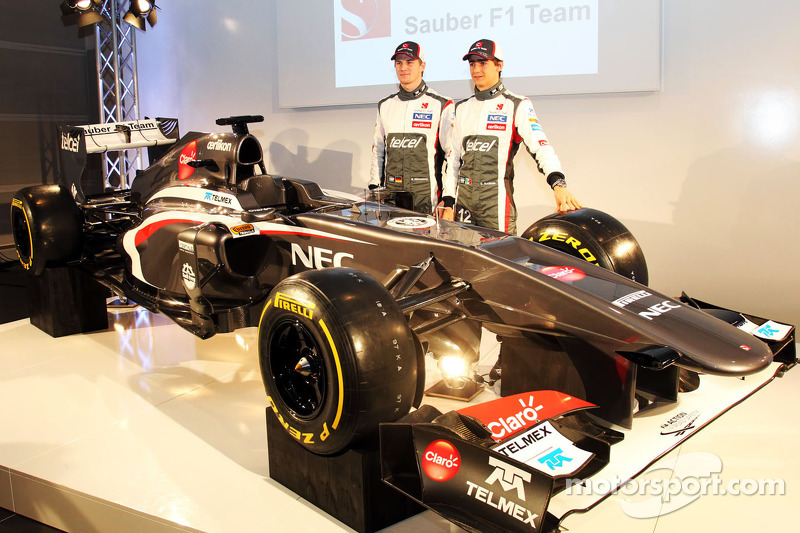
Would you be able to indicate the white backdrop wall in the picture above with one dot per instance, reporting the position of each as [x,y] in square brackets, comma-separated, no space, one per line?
[705,172]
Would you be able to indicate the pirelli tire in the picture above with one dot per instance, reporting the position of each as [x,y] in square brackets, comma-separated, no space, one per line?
[594,236]
[47,227]
[337,357]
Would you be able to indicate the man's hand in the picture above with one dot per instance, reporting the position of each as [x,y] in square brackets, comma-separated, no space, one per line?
[445,213]
[565,200]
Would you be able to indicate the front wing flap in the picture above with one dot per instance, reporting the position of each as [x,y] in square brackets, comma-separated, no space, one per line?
[781,344]
[452,465]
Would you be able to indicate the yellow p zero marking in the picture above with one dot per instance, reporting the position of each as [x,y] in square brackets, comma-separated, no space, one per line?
[27,265]
[269,302]
[338,374]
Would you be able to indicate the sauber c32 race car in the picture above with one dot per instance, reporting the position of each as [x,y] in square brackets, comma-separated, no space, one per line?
[350,295]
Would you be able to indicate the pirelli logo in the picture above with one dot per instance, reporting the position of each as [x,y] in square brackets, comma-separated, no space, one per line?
[630,298]
[305,309]
[17,202]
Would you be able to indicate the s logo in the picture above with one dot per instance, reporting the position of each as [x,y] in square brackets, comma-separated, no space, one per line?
[365,19]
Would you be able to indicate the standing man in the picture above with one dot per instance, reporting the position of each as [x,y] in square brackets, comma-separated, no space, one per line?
[411,133]
[487,131]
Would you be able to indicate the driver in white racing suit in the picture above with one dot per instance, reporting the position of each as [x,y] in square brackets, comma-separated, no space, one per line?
[411,133]
[487,130]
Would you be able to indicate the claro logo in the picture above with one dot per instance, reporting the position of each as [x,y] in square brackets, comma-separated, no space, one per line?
[365,19]
[441,460]
[510,424]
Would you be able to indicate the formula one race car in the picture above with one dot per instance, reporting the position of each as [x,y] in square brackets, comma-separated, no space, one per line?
[350,295]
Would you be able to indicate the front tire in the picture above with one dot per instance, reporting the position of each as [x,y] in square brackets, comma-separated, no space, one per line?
[337,357]
[594,236]
[47,227]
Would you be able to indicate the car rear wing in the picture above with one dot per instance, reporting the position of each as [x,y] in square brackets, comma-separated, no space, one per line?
[81,149]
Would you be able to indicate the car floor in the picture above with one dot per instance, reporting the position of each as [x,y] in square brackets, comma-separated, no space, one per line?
[144,427]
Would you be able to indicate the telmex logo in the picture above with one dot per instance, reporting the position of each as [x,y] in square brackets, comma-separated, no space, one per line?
[365,19]
[509,477]
[441,460]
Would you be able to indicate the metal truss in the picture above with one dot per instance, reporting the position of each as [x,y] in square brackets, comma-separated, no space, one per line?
[118,87]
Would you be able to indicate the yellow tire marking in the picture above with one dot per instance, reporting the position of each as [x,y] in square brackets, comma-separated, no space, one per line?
[263,312]
[30,240]
[340,407]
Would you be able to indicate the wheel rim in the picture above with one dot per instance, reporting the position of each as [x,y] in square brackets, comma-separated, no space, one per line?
[298,368]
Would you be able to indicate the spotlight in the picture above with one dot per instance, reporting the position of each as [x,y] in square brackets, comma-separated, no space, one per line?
[139,11]
[83,11]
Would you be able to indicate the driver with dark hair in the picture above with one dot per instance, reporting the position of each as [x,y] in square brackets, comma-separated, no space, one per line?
[487,130]
[411,133]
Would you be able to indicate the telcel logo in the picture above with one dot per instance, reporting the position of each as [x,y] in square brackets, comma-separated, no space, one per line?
[479,146]
[441,460]
[405,142]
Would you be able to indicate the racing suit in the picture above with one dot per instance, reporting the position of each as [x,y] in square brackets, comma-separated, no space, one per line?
[410,143]
[487,131]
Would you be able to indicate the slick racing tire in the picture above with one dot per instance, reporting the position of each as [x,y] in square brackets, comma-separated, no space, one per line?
[337,357]
[46,224]
[594,236]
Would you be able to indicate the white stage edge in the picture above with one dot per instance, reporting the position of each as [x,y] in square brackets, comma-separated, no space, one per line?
[145,427]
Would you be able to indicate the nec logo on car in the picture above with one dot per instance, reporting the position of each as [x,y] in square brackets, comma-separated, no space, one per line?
[497,118]
[423,116]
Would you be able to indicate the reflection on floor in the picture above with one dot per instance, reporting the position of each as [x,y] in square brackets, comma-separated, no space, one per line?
[144,426]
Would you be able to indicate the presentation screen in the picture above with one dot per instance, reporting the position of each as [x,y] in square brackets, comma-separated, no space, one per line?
[337,52]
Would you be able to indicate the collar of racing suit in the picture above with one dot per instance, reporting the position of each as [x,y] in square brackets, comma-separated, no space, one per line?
[491,92]
[412,95]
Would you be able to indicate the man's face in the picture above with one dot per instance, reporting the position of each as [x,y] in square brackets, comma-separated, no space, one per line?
[485,72]
[409,71]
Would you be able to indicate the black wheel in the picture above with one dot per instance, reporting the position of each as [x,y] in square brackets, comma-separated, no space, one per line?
[594,236]
[337,357]
[47,225]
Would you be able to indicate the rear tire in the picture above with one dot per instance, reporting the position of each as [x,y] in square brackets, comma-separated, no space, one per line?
[594,236]
[337,357]
[47,227]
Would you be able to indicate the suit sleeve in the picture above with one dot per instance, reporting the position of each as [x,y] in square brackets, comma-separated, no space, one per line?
[446,126]
[450,177]
[529,129]
[378,152]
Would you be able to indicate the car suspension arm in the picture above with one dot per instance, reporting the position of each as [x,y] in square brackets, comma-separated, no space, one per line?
[418,300]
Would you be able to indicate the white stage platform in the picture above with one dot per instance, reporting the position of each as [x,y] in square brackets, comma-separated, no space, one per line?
[145,427]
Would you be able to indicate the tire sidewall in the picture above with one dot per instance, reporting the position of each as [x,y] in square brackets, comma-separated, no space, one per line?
[312,433]
[354,322]
[52,231]
[569,238]
[594,236]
